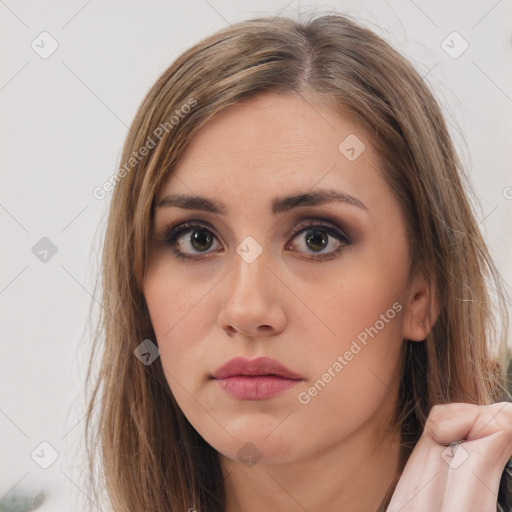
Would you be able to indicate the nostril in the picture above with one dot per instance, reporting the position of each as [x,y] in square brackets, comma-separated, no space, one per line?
[231,330]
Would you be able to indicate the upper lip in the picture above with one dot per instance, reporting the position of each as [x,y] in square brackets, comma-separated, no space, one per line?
[258,366]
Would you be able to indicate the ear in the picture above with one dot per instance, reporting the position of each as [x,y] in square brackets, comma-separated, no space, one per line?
[421,310]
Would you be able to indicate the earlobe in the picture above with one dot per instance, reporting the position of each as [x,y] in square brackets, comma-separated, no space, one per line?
[421,311]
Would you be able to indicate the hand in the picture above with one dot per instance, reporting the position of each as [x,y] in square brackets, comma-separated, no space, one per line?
[463,477]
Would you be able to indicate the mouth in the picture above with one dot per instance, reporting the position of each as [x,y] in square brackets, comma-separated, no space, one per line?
[256,387]
[256,379]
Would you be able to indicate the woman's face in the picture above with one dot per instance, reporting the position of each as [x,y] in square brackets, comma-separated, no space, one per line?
[317,283]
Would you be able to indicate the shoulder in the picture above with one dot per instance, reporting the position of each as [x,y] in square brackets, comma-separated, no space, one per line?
[505,490]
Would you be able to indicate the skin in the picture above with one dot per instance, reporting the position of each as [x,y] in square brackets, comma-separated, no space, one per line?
[335,452]
[465,477]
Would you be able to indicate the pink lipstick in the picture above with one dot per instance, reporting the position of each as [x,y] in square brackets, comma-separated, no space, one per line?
[255,379]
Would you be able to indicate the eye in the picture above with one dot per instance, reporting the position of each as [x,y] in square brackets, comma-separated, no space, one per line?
[187,238]
[316,239]
[191,239]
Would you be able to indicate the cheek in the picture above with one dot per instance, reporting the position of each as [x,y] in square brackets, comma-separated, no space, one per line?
[353,372]
[364,353]
[356,299]
[363,309]
[181,316]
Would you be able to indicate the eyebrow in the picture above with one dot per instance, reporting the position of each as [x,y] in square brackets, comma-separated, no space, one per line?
[279,204]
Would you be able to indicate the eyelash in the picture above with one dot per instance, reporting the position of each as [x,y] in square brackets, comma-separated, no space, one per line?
[173,230]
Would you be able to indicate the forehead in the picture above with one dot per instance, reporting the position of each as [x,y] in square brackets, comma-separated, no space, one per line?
[270,144]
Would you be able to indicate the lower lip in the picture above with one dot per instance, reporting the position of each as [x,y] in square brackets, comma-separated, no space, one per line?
[258,387]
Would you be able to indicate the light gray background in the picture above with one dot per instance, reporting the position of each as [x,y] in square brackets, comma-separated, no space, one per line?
[64,119]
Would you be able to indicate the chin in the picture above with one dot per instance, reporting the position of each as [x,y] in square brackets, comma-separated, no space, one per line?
[255,447]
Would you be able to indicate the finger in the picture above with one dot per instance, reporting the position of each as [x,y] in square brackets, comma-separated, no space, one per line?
[448,423]
[454,422]
[494,417]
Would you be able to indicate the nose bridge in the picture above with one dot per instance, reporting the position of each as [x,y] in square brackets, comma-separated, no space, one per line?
[251,270]
[250,304]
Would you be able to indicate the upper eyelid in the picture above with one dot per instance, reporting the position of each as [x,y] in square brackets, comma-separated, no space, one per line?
[317,222]
[187,225]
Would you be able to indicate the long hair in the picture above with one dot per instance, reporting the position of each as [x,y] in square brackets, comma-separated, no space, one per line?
[148,456]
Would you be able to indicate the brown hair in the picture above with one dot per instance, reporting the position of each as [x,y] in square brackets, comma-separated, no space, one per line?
[150,456]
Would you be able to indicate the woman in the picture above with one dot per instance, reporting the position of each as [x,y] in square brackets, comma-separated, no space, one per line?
[296,314]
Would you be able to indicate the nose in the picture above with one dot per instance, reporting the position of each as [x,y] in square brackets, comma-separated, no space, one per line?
[252,304]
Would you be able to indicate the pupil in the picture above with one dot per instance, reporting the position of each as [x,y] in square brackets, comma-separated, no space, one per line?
[316,238]
[202,237]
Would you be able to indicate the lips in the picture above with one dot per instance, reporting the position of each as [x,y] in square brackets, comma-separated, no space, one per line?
[255,379]
[240,366]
